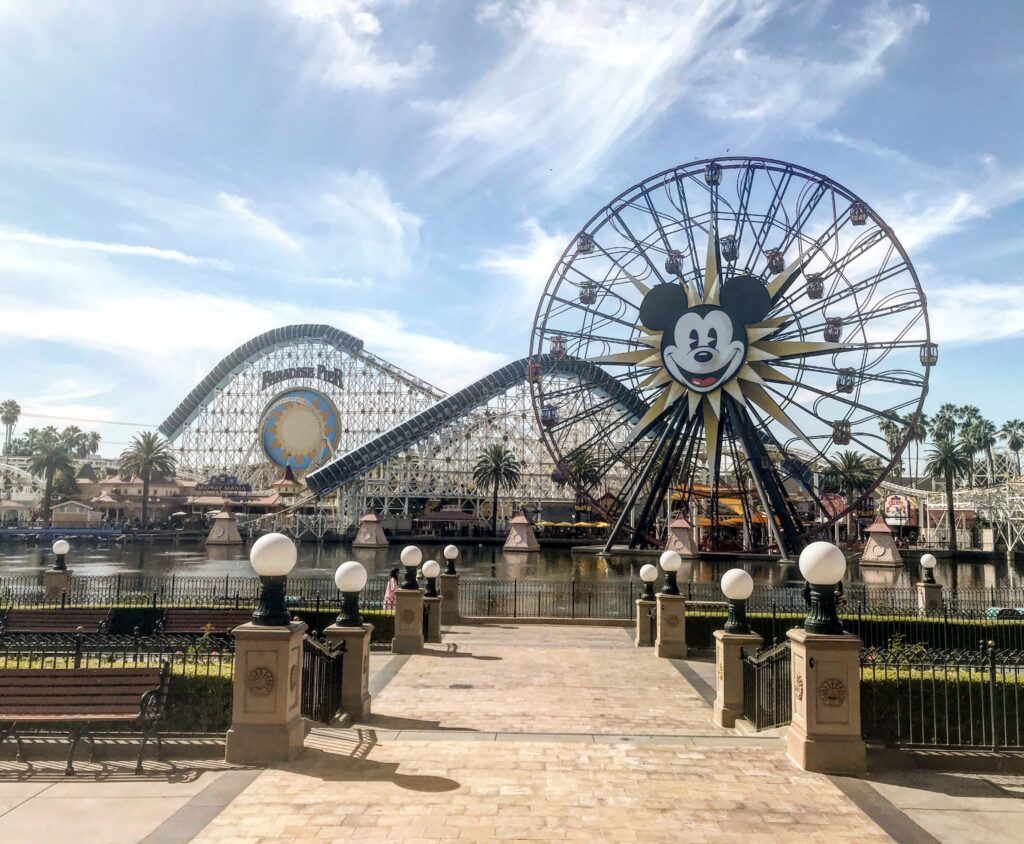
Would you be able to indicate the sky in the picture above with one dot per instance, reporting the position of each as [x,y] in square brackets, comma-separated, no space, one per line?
[177,177]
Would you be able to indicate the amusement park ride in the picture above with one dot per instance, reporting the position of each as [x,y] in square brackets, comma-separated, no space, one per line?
[704,348]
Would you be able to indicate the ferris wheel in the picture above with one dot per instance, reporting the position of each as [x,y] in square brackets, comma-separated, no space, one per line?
[763,320]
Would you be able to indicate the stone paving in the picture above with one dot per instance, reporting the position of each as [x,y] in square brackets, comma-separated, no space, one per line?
[564,733]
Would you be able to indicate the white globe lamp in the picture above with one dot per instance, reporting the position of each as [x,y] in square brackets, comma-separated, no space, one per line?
[350,578]
[60,549]
[411,557]
[451,554]
[648,574]
[737,586]
[272,557]
[431,569]
[823,565]
[928,563]
[670,563]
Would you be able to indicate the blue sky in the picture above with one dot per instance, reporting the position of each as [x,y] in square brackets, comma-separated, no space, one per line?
[176,177]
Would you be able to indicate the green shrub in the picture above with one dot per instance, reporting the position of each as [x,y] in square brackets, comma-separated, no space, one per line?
[197,703]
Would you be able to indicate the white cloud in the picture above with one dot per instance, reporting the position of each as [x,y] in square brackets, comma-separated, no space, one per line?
[529,263]
[262,227]
[112,248]
[343,36]
[581,77]
[970,312]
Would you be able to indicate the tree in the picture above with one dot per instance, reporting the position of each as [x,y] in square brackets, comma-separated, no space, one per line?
[148,456]
[852,474]
[948,460]
[49,457]
[1013,432]
[497,468]
[892,433]
[584,467]
[92,443]
[917,425]
[10,411]
[945,422]
[984,433]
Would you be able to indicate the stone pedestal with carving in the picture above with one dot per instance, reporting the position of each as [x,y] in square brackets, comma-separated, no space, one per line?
[408,622]
[370,533]
[824,735]
[355,667]
[729,674]
[646,620]
[266,716]
[432,610]
[55,583]
[680,538]
[880,548]
[671,641]
[224,530]
[448,586]
[929,596]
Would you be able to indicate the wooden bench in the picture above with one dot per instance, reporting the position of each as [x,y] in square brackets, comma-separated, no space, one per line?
[212,621]
[55,621]
[82,697]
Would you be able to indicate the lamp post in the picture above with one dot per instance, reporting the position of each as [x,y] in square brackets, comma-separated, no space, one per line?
[670,563]
[272,557]
[60,549]
[411,557]
[431,569]
[451,554]
[350,578]
[738,586]
[648,574]
[928,563]
[823,565]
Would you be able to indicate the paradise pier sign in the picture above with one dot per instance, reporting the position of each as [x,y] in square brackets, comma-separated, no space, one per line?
[319,372]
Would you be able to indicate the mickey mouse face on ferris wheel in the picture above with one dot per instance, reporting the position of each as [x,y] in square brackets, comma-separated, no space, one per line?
[704,346]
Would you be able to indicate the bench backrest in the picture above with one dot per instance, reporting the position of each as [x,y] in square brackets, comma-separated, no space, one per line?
[56,621]
[197,620]
[75,692]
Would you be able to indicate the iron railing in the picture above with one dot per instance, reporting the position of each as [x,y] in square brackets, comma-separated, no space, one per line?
[200,655]
[916,697]
[548,598]
[321,679]
[767,696]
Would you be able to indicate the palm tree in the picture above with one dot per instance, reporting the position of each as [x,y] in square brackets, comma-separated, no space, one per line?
[852,474]
[985,434]
[92,443]
[50,456]
[148,455]
[945,422]
[948,460]
[497,467]
[893,436]
[584,467]
[1013,433]
[917,424]
[10,410]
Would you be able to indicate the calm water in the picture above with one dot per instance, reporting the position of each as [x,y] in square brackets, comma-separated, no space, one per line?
[474,560]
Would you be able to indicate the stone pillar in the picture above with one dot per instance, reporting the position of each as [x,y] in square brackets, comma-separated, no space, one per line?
[824,735]
[370,533]
[355,667]
[448,586]
[266,716]
[520,535]
[929,596]
[729,674]
[55,583]
[433,619]
[671,641]
[408,622]
[224,530]
[646,618]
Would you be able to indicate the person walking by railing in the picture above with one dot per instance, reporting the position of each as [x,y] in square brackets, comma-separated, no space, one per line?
[389,591]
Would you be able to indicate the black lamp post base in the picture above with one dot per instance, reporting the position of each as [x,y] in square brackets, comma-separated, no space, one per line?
[671,586]
[822,617]
[349,616]
[410,578]
[737,620]
[271,610]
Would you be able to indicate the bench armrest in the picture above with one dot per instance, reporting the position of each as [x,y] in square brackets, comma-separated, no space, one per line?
[154,702]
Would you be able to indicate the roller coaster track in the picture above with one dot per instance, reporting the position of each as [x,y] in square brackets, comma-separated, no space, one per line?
[359,461]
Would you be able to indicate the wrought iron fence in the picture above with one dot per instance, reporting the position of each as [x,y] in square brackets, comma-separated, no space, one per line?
[767,683]
[548,598]
[321,679]
[198,655]
[917,697]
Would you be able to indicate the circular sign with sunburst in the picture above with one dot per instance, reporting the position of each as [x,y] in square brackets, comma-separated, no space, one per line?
[299,430]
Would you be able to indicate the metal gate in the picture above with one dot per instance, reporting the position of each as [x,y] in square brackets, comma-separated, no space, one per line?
[321,679]
[767,683]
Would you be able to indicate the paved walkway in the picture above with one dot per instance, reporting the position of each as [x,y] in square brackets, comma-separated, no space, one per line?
[513,732]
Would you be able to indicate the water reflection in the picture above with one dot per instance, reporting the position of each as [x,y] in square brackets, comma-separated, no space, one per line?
[475,560]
